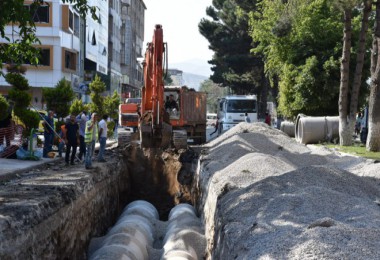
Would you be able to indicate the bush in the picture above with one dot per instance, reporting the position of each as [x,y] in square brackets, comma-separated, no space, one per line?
[4,106]
[17,80]
[110,128]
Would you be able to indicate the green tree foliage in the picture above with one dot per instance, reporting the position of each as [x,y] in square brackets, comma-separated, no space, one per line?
[111,105]
[21,98]
[227,32]
[214,92]
[21,47]
[4,106]
[97,87]
[59,98]
[78,106]
[301,41]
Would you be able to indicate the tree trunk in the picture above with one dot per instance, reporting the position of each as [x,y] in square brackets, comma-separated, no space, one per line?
[345,133]
[373,138]
[359,69]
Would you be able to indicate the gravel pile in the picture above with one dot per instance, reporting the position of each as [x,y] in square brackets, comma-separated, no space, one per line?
[264,196]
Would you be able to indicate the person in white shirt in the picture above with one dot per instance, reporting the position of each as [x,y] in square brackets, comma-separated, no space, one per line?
[102,138]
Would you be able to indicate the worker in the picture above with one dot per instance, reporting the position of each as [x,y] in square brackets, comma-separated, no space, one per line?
[216,126]
[246,118]
[90,137]
[71,139]
[48,133]
[62,135]
[268,119]
[102,138]
[171,104]
[82,119]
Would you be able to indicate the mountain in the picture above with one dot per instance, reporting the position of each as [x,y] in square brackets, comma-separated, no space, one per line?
[194,66]
[192,80]
[194,72]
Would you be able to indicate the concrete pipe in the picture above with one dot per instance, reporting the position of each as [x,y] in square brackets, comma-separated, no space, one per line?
[182,233]
[134,223]
[296,134]
[316,129]
[132,243]
[141,207]
[288,128]
[180,254]
[116,252]
[181,209]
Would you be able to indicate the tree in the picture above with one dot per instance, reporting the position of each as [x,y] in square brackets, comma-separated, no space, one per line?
[347,110]
[373,138]
[21,98]
[233,64]
[59,98]
[214,92]
[4,106]
[97,87]
[22,46]
[111,105]
[77,107]
[301,44]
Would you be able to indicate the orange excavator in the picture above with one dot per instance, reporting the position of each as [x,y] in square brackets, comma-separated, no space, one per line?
[162,124]
[154,130]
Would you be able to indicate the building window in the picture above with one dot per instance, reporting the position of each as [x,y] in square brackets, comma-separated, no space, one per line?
[45,57]
[41,14]
[69,60]
[71,20]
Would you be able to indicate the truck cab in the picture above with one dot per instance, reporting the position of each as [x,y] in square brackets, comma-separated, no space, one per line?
[129,113]
[232,109]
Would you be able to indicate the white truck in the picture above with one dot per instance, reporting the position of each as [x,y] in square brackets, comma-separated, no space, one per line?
[232,109]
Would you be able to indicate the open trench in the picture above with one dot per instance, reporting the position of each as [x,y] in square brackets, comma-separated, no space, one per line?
[157,221]
[60,213]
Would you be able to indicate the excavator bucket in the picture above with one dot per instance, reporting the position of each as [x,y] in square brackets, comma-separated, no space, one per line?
[154,138]
[161,138]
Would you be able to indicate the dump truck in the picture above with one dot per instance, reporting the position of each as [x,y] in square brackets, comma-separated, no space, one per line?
[129,113]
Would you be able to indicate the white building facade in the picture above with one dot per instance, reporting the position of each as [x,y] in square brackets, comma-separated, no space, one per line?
[77,49]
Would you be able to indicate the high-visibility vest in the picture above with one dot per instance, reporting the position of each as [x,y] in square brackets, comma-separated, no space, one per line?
[88,133]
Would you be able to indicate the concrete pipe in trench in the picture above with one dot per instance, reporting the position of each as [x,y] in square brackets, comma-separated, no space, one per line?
[183,228]
[311,130]
[130,236]
[288,128]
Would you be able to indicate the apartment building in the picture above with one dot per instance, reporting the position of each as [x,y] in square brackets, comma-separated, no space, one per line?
[58,29]
[132,38]
[177,76]
[76,49]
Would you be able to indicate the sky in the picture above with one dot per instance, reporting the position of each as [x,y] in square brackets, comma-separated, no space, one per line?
[179,20]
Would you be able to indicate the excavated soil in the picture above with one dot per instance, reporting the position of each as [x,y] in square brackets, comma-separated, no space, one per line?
[161,177]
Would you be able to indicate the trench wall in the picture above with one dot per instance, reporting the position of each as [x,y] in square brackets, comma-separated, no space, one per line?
[54,215]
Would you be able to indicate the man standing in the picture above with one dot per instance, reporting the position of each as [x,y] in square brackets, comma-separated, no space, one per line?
[247,118]
[102,138]
[71,139]
[82,119]
[48,133]
[90,137]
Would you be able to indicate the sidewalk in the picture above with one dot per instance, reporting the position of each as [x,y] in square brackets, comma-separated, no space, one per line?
[9,167]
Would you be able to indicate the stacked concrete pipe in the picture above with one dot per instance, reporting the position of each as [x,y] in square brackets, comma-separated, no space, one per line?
[131,235]
[310,130]
[184,239]
[288,128]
